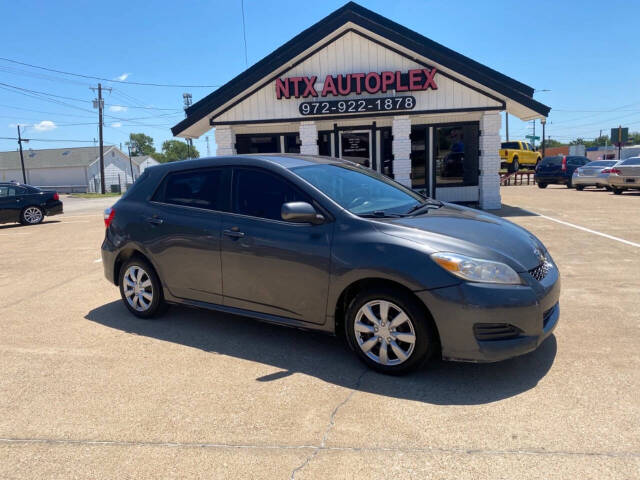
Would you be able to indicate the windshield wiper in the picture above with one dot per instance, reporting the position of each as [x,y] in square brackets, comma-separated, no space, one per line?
[381,214]
[425,205]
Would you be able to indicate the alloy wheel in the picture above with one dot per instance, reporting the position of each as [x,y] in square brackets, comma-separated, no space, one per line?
[384,332]
[33,215]
[138,288]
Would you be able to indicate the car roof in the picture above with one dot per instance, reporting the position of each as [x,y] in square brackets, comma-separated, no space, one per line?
[285,160]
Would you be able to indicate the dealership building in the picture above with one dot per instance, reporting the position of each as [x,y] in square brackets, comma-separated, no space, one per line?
[360,87]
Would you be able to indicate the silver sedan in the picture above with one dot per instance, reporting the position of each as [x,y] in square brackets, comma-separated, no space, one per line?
[625,175]
[593,174]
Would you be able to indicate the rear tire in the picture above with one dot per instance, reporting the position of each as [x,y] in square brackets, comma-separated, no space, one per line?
[569,184]
[140,289]
[391,319]
[542,185]
[515,165]
[579,187]
[31,216]
[616,190]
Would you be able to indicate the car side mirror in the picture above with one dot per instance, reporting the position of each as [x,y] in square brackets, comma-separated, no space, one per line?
[301,212]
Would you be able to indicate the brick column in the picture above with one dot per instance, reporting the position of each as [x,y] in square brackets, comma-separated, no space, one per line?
[401,148]
[308,138]
[489,180]
[225,140]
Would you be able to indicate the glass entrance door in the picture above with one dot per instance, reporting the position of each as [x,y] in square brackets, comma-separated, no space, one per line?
[356,146]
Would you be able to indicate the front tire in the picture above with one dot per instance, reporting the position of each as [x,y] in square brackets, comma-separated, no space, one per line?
[579,187]
[31,216]
[389,330]
[542,185]
[140,289]
[616,190]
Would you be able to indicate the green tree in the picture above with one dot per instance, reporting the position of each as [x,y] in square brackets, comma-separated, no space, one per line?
[549,142]
[141,144]
[173,150]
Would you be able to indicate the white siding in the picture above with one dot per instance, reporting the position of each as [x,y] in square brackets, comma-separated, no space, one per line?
[57,176]
[353,53]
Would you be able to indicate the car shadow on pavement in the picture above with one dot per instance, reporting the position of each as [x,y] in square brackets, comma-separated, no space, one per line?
[17,225]
[330,359]
[511,211]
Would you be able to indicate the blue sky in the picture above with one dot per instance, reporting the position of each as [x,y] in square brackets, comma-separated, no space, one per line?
[584,52]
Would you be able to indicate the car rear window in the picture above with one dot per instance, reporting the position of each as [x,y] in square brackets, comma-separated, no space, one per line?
[601,163]
[631,161]
[577,160]
[552,161]
[511,145]
[194,188]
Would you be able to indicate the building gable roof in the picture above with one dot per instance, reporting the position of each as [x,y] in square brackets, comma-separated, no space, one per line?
[392,31]
[52,157]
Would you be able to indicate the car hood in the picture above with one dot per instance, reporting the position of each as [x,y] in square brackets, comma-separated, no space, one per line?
[453,228]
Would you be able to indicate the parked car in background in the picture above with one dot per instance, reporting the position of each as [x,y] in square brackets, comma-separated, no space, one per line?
[593,174]
[625,175]
[558,170]
[324,244]
[514,155]
[26,204]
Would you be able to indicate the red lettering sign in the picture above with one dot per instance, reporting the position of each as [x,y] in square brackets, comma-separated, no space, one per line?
[347,84]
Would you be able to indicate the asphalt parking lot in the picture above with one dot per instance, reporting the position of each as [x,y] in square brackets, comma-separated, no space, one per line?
[89,391]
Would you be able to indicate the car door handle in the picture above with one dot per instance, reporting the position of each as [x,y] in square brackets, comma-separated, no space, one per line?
[233,233]
[154,220]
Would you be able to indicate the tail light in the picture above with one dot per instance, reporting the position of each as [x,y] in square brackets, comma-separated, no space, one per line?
[615,171]
[605,170]
[109,213]
[564,164]
[56,196]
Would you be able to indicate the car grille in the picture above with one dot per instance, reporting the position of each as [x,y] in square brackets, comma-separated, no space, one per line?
[495,331]
[540,271]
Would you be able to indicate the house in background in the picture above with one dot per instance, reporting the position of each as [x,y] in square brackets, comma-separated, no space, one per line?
[144,161]
[71,169]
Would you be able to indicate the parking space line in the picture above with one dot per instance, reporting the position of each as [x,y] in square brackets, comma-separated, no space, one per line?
[584,229]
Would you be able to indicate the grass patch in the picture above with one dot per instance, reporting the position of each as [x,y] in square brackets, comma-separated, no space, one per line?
[94,195]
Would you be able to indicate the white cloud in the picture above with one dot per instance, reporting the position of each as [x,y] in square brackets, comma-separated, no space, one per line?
[44,126]
[117,108]
[116,124]
[123,77]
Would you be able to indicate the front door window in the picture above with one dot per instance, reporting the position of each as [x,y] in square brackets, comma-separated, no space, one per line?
[356,147]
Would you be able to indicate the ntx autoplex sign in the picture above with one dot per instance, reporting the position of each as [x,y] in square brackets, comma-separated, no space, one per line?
[357,83]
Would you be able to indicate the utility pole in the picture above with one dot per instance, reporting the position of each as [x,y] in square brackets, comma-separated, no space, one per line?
[20,140]
[99,104]
[208,151]
[130,162]
[188,99]
[543,121]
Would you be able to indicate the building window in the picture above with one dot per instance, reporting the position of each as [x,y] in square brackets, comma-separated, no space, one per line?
[324,144]
[291,143]
[456,155]
[257,144]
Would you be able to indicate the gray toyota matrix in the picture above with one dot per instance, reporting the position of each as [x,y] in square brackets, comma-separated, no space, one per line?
[323,244]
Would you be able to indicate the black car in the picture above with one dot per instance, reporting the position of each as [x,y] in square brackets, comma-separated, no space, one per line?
[558,170]
[26,204]
[323,244]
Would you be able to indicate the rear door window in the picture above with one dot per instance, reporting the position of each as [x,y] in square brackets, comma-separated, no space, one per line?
[7,192]
[258,193]
[555,161]
[202,188]
[510,145]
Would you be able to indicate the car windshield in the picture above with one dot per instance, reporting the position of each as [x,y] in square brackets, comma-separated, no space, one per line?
[360,190]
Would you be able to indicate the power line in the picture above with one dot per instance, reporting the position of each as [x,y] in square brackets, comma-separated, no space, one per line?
[92,77]
[45,93]
[48,140]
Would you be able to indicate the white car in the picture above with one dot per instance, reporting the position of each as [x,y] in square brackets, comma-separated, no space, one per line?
[593,174]
[625,175]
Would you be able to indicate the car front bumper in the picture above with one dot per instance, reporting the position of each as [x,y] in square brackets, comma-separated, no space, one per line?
[531,309]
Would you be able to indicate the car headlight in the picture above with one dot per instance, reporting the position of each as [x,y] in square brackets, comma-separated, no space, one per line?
[475,269]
